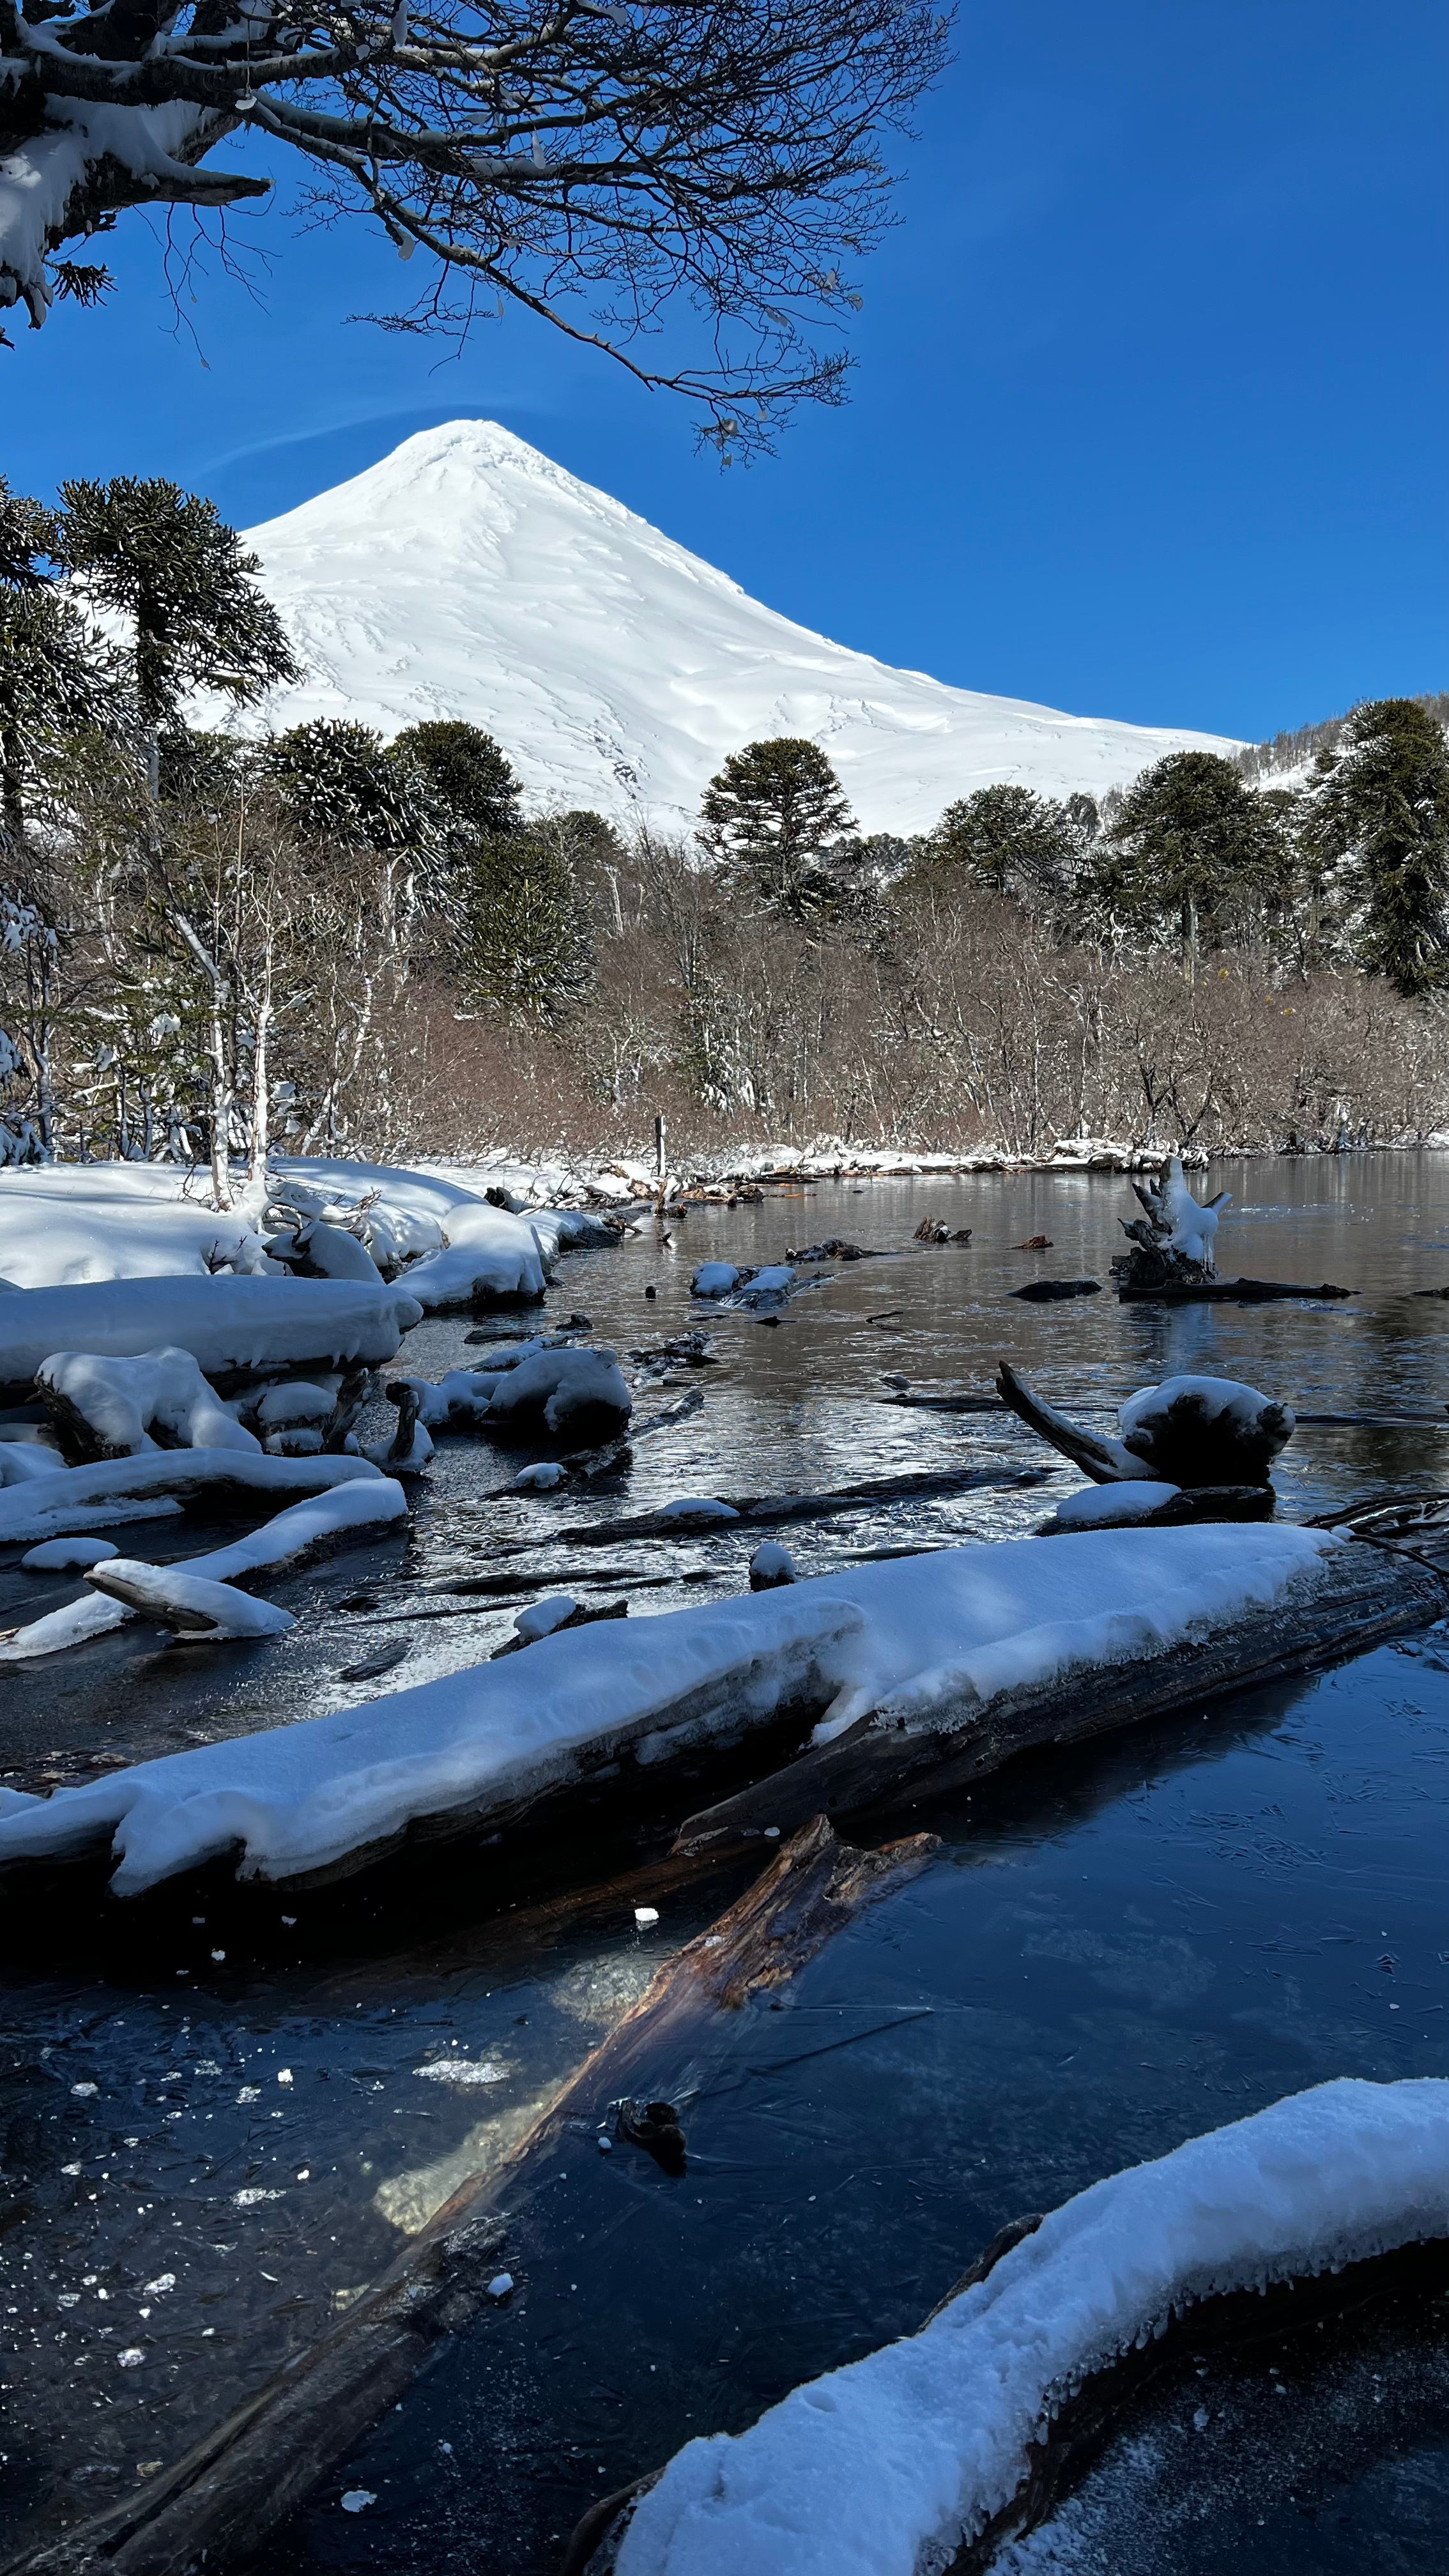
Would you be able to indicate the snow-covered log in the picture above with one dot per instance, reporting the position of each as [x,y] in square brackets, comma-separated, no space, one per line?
[893,2465]
[235,1329]
[162,1481]
[1192,1431]
[175,1596]
[105,1408]
[363,1503]
[955,1660]
[317,1250]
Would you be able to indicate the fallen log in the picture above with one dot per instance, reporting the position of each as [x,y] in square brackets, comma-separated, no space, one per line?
[763,1511]
[1300,2212]
[916,1676]
[222,2498]
[902,1749]
[1241,1292]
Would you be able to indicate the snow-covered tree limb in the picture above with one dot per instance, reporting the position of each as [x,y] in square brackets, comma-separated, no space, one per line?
[590,162]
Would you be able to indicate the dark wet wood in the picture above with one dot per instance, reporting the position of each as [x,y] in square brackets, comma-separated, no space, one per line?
[766,1511]
[1369,1593]
[234,2487]
[1240,1292]
[1105,1461]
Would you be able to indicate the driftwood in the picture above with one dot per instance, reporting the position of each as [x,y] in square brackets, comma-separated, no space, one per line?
[1051,1292]
[1382,1589]
[1187,1440]
[765,1511]
[220,2501]
[1241,1292]
[1226,2321]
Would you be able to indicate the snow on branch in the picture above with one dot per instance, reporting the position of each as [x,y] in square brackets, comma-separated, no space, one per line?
[589,162]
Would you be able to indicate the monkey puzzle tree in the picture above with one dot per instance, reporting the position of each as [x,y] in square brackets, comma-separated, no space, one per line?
[1378,810]
[165,564]
[57,677]
[776,822]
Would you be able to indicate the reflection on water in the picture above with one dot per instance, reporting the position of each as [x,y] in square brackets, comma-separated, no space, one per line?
[1114,1951]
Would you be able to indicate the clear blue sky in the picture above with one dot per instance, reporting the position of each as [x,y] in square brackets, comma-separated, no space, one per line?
[1149,416]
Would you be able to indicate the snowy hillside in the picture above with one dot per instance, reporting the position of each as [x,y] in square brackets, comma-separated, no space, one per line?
[466,575]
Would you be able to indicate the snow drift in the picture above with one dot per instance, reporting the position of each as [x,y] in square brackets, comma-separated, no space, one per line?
[922,1636]
[228,1325]
[884,2467]
[467,575]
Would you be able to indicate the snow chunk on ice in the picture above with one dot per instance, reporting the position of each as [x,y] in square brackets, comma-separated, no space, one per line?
[699,1510]
[539,1479]
[713,1279]
[884,2467]
[57,1555]
[770,1566]
[466,2072]
[1109,1506]
[542,1617]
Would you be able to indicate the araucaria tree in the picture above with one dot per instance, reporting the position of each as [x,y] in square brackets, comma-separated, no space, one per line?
[1378,813]
[167,565]
[776,823]
[56,676]
[587,159]
[1015,842]
[1191,843]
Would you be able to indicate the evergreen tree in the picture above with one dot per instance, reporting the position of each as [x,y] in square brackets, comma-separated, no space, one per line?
[522,948]
[775,819]
[1012,841]
[1378,809]
[340,783]
[1190,844]
[166,563]
[468,773]
[56,678]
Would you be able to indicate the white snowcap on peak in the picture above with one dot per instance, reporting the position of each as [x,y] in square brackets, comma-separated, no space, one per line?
[468,575]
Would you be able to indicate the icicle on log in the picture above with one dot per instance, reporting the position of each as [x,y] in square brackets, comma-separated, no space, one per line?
[241,2480]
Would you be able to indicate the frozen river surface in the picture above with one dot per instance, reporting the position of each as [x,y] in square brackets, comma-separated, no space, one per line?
[216,2127]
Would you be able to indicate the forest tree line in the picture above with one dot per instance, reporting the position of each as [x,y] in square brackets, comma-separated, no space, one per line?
[211,942]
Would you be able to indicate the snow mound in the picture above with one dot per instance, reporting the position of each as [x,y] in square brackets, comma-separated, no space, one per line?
[226,1324]
[59,1555]
[467,575]
[118,1401]
[1112,1506]
[67,1225]
[884,2467]
[578,1396]
[924,1641]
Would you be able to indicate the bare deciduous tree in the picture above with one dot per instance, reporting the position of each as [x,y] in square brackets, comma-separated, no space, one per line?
[584,159]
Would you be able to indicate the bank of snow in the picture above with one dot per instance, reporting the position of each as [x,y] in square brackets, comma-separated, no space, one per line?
[885,2467]
[228,1325]
[929,1638]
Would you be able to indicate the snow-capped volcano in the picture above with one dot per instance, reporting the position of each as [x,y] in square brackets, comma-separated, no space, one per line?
[467,575]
